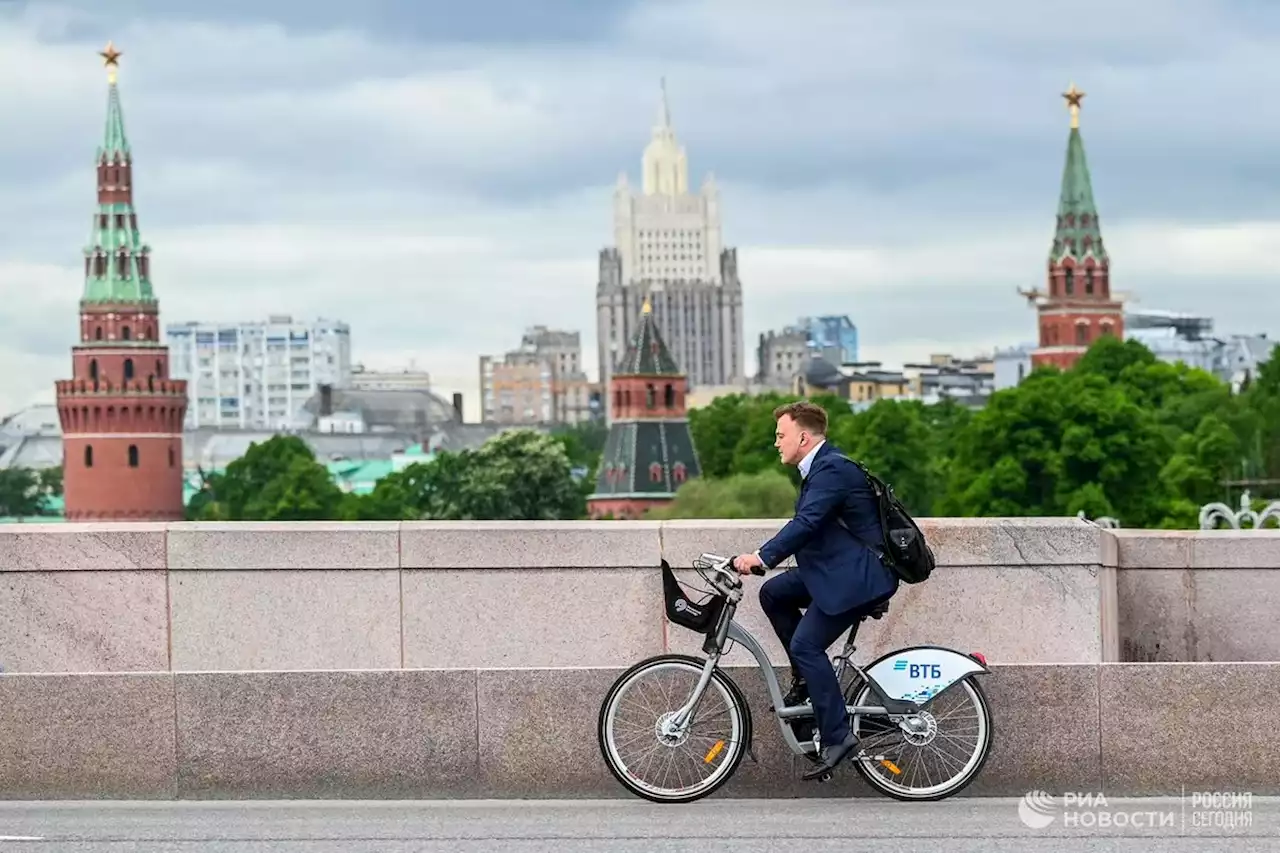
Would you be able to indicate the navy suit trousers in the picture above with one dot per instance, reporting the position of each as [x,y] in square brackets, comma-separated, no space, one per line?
[806,638]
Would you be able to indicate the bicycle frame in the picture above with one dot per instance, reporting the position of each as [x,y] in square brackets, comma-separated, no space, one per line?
[727,630]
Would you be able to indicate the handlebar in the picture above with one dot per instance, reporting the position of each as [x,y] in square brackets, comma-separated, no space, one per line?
[726,579]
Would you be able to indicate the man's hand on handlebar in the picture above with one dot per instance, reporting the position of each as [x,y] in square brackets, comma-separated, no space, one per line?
[748,564]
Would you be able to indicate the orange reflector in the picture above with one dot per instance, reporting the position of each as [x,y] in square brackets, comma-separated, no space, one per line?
[893,768]
[715,750]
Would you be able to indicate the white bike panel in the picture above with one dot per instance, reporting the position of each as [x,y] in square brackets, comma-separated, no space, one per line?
[916,675]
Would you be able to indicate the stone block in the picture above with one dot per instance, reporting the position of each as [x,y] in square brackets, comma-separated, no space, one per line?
[528,544]
[87,737]
[84,547]
[1236,549]
[1015,541]
[112,621]
[684,540]
[547,617]
[253,620]
[1153,549]
[284,545]
[1155,619]
[1046,730]
[537,733]
[1202,726]
[347,735]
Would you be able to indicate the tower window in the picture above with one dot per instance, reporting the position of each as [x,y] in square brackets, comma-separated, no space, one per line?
[97,333]
[1088,282]
[170,457]
[133,456]
[159,369]
[1071,284]
[1082,334]
[650,396]
[655,473]
[93,369]
[128,369]
[669,396]
[126,334]
[88,456]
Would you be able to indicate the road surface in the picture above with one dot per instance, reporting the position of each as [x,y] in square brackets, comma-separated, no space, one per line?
[975,825]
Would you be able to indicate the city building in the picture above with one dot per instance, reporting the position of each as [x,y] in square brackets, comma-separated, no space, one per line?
[861,383]
[121,414]
[1078,306]
[668,249]
[540,382]
[967,381]
[649,452]
[780,356]
[257,375]
[408,379]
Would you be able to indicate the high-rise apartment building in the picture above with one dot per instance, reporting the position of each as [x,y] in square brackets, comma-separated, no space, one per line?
[257,375]
[668,249]
[541,382]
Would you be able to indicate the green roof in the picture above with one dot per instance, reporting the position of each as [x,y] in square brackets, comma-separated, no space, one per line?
[647,354]
[1078,234]
[652,458]
[114,228]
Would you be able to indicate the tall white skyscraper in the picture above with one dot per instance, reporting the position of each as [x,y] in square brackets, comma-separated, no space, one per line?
[256,375]
[668,246]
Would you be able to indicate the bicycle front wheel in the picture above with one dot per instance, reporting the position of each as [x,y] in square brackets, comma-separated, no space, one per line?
[672,766]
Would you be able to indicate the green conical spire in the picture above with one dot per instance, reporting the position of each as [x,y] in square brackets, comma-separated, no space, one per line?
[116,269]
[1078,233]
[648,354]
[114,140]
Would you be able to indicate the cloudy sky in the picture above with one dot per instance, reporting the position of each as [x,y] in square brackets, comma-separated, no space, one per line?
[439,174]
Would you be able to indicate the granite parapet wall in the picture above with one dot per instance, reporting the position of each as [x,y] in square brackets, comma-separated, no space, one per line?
[194,597]
[1123,729]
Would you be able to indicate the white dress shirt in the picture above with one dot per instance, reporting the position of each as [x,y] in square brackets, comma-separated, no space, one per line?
[807,462]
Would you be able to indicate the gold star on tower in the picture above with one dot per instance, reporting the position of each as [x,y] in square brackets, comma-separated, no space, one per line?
[646,308]
[111,59]
[1074,96]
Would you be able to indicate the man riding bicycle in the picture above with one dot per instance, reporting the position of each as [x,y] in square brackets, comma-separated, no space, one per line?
[837,578]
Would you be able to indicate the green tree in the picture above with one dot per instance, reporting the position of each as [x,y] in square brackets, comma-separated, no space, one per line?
[20,493]
[276,480]
[51,481]
[517,475]
[766,494]
[1057,444]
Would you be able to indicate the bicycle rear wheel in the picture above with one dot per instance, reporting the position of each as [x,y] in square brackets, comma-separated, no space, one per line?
[664,766]
[938,759]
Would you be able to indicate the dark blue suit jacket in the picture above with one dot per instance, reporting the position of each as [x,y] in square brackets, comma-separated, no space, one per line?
[839,571]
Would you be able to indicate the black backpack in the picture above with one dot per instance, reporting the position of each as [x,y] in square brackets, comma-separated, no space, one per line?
[903,548]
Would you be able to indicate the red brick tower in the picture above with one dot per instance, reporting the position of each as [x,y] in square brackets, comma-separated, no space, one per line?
[121,415]
[1079,306]
[649,452]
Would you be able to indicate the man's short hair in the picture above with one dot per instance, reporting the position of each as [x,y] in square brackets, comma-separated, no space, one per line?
[808,416]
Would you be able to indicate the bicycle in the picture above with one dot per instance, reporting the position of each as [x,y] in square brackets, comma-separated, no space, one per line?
[897,694]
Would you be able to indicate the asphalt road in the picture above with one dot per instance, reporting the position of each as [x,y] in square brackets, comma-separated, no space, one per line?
[614,826]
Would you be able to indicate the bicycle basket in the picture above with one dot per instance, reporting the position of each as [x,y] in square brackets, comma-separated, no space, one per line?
[697,615]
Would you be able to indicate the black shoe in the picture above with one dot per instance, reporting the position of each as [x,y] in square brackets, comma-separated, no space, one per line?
[832,757]
[798,693]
